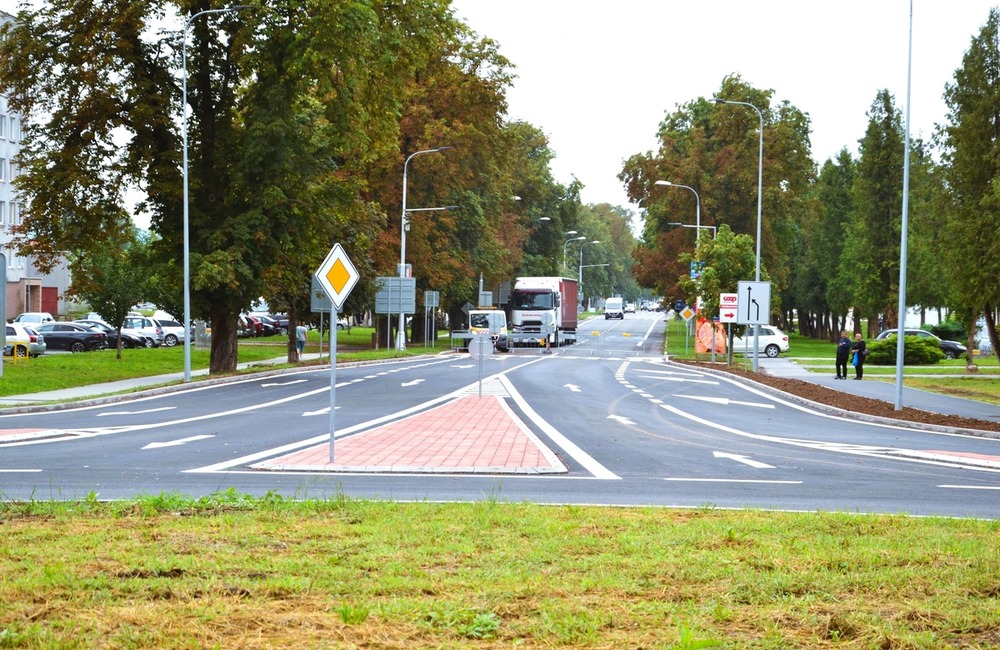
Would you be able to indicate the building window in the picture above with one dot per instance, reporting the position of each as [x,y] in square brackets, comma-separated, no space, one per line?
[3,214]
[3,126]
[3,169]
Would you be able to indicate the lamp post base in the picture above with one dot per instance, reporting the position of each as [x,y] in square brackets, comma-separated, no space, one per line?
[401,341]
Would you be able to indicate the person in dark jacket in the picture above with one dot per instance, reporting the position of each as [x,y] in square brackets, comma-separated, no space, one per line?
[859,352]
[843,354]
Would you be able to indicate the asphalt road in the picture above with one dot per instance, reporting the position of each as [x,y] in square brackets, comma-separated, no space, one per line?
[631,429]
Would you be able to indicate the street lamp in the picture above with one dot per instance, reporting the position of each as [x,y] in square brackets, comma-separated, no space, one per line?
[687,225]
[184,135]
[401,334]
[697,203]
[760,193]
[579,275]
[566,243]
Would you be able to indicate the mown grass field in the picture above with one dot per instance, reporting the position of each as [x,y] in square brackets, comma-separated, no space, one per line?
[235,572]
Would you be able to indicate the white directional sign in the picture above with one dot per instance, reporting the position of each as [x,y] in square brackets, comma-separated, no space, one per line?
[754,303]
[728,305]
[337,276]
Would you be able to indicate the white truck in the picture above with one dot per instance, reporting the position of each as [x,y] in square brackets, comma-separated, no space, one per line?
[545,304]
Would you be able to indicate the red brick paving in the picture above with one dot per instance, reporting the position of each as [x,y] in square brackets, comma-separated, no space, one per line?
[470,434]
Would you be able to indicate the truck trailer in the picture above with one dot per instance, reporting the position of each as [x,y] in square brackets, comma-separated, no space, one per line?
[545,305]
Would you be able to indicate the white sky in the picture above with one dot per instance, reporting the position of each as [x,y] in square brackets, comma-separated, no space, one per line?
[598,76]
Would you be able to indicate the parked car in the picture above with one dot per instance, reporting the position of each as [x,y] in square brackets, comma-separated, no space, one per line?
[173,332]
[269,325]
[23,341]
[771,341]
[281,321]
[129,341]
[951,349]
[147,328]
[34,317]
[72,336]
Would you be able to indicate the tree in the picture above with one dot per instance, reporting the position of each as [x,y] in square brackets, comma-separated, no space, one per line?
[116,280]
[286,102]
[971,141]
[874,235]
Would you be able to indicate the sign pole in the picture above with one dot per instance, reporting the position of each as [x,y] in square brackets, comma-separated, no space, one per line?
[333,387]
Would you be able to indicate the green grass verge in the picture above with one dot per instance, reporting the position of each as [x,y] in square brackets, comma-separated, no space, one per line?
[56,370]
[231,571]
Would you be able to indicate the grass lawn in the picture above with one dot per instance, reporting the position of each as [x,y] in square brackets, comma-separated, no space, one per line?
[235,572]
[56,370]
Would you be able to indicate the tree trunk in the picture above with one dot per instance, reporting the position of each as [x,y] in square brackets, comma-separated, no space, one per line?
[224,345]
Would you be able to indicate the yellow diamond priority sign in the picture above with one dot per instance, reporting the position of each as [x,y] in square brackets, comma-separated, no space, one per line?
[337,276]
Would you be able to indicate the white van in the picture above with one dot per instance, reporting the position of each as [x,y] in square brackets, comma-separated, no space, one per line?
[492,322]
[614,308]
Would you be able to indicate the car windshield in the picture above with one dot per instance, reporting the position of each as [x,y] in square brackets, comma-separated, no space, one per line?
[530,300]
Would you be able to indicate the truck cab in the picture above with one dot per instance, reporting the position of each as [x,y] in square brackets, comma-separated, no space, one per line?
[492,322]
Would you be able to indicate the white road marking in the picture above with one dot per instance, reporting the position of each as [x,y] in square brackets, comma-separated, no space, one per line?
[282,383]
[412,383]
[163,408]
[730,480]
[621,418]
[742,459]
[725,401]
[19,471]
[175,443]
[572,387]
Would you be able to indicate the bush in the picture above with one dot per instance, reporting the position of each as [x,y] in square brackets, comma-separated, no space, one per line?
[916,351]
[950,330]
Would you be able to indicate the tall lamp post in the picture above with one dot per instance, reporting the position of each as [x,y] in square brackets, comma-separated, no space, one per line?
[579,275]
[760,193]
[566,243]
[697,203]
[401,334]
[184,135]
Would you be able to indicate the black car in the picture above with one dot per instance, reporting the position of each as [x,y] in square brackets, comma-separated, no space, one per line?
[72,336]
[951,349]
[280,322]
[269,325]
[129,341]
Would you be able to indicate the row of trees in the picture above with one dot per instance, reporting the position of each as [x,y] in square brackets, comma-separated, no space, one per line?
[831,239]
[300,115]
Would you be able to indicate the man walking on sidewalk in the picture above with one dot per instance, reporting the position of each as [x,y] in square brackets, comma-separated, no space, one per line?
[843,354]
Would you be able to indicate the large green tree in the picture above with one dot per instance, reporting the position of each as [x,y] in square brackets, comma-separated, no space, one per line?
[285,100]
[972,140]
[874,235]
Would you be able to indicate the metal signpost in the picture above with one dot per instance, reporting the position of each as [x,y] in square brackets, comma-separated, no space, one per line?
[396,296]
[431,303]
[337,276]
[754,309]
[729,304]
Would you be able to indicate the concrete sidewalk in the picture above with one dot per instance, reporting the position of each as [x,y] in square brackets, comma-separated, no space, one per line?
[884,388]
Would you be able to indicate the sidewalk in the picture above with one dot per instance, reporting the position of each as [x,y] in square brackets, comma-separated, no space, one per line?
[884,389]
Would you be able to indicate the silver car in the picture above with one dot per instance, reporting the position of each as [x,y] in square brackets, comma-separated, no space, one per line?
[23,341]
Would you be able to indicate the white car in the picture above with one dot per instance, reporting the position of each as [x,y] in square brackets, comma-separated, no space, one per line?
[23,341]
[34,318]
[771,341]
[146,328]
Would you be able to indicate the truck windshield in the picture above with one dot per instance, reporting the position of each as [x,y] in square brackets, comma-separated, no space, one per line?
[525,300]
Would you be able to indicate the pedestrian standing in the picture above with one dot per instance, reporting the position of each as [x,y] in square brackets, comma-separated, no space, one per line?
[300,338]
[860,351]
[843,354]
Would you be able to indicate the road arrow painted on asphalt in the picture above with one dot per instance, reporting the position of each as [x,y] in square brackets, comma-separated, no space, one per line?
[283,383]
[175,443]
[164,408]
[620,418]
[575,389]
[467,365]
[322,411]
[742,459]
[725,401]
[412,383]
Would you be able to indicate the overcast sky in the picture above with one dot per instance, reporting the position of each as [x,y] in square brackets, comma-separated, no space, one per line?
[598,76]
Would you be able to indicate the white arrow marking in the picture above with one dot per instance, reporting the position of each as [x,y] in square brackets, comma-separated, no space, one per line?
[411,383]
[621,418]
[164,408]
[725,401]
[283,383]
[575,389]
[742,459]
[322,411]
[174,443]
[467,365]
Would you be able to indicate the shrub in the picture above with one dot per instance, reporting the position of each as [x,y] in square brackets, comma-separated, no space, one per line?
[950,330]
[916,351]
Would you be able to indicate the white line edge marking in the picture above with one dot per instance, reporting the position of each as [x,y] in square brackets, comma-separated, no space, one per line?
[582,457]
